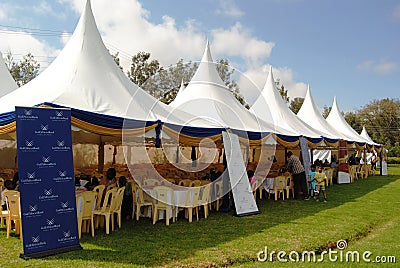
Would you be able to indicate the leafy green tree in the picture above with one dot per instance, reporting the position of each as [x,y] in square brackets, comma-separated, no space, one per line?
[225,72]
[382,121]
[117,60]
[282,90]
[24,70]
[296,104]
[142,68]
[326,111]
[354,120]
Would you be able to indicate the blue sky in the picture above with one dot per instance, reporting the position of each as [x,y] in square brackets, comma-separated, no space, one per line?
[348,49]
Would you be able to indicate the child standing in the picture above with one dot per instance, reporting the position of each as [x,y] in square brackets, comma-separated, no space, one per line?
[311,180]
[320,178]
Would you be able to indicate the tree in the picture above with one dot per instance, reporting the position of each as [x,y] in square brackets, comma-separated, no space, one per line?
[225,73]
[296,104]
[381,119]
[282,91]
[326,111]
[142,69]
[24,70]
[117,60]
[353,119]
[165,84]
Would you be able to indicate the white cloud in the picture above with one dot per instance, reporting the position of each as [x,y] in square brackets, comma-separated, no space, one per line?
[128,30]
[253,81]
[238,41]
[229,8]
[43,8]
[381,68]
[24,43]
[396,12]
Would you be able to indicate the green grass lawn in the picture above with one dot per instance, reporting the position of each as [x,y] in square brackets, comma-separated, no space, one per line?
[365,213]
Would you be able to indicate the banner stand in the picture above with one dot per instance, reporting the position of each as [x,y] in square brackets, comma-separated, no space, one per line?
[245,204]
[47,253]
[46,181]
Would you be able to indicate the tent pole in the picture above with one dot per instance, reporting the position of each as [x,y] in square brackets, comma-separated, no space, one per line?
[365,162]
[312,155]
[100,157]
[114,154]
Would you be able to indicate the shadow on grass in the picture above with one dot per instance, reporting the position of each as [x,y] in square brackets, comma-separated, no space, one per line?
[142,243]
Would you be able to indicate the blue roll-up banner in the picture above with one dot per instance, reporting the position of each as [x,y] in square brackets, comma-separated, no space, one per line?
[46,181]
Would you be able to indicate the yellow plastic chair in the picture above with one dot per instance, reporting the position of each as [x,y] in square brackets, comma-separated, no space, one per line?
[185,182]
[134,187]
[279,187]
[205,198]
[89,205]
[289,185]
[329,176]
[79,212]
[105,209]
[99,190]
[14,212]
[117,207]
[195,183]
[164,201]
[192,202]
[142,200]
[218,193]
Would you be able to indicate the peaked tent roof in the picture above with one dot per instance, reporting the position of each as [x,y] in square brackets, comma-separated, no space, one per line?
[310,114]
[84,77]
[7,83]
[270,103]
[365,135]
[336,119]
[207,96]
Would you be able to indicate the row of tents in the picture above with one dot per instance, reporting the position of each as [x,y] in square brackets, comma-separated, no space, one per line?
[105,104]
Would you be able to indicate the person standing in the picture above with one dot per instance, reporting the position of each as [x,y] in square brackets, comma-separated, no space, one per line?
[295,167]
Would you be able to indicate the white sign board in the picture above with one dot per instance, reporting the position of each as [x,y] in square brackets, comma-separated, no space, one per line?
[241,189]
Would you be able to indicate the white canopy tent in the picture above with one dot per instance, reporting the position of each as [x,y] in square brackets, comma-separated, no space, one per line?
[207,96]
[310,114]
[337,120]
[270,104]
[365,135]
[7,83]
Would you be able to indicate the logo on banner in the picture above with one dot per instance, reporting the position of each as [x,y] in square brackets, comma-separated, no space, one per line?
[29,147]
[62,177]
[33,211]
[61,147]
[27,115]
[30,179]
[44,130]
[36,243]
[67,237]
[48,195]
[46,162]
[50,225]
[65,207]
[58,116]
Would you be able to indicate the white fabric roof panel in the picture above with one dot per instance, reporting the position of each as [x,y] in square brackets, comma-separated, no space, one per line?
[270,104]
